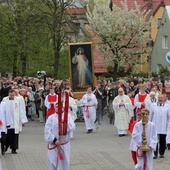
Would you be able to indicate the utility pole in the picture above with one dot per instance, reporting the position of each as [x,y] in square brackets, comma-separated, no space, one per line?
[150,44]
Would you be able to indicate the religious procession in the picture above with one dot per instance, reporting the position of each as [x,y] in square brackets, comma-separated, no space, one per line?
[136,107]
[85,85]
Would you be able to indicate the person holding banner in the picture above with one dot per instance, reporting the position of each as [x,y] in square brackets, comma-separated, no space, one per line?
[57,135]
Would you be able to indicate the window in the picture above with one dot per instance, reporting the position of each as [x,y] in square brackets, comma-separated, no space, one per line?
[159,22]
[165,42]
[158,67]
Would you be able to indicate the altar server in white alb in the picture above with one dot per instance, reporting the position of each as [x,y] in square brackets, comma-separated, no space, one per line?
[159,115]
[168,130]
[18,119]
[145,159]
[5,122]
[58,144]
[89,102]
[72,108]
[150,100]
[122,106]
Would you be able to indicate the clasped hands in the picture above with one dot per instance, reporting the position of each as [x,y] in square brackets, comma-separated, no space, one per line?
[121,104]
[57,143]
[89,99]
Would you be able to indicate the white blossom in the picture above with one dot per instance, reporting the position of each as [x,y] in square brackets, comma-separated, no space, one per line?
[122,34]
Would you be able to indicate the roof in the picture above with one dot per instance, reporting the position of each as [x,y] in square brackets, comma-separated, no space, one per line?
[144,4]
[99,65]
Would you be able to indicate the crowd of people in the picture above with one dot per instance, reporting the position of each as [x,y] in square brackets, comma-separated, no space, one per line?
[124,101]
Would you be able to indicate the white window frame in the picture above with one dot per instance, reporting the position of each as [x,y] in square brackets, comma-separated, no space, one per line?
[159,22]
[165,41]
[158,67]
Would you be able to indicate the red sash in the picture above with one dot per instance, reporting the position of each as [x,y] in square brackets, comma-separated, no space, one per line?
[86,110]
[141,98]
[143,156]
[1,123]
[131,125]
[62,123]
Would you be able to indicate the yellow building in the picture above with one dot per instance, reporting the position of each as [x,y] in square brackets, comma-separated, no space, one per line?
[156,21]
[157,14]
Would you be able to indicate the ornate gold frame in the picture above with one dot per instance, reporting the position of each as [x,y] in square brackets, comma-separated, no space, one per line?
[72,47]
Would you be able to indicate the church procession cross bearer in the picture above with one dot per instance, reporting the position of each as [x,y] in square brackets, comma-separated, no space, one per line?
[57,135]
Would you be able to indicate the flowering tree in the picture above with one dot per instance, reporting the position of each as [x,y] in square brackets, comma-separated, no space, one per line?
[121,34]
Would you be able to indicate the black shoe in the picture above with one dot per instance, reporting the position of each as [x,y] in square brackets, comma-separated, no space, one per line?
[14,152]
[90,130]
[6,148]
[3,152]
[120,135]
[155,157]
[161,156]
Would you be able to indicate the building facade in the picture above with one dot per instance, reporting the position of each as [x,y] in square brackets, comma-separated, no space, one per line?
[160,54]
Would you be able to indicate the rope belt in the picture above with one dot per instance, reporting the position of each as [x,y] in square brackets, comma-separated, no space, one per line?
[55,146]
[87,110]
[143,156]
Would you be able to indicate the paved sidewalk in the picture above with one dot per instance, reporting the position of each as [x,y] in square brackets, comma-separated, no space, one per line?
[102,150]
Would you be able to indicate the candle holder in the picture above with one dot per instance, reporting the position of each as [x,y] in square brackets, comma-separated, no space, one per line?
[144,146]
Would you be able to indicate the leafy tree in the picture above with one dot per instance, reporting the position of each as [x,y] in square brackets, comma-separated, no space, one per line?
[33,35]
[57,22]
[63,65]
[121,34]
[20,34]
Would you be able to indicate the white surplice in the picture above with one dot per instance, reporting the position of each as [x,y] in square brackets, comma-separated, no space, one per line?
[168,129]
[151,137]
[89,110]
[149,102]
[50,133]
[159,115]
[4,117]
[17,113]
[122,113]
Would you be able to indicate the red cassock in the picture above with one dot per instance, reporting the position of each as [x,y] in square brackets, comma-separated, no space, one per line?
[162,90]
[131,125]
[141,98]
[51,110]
